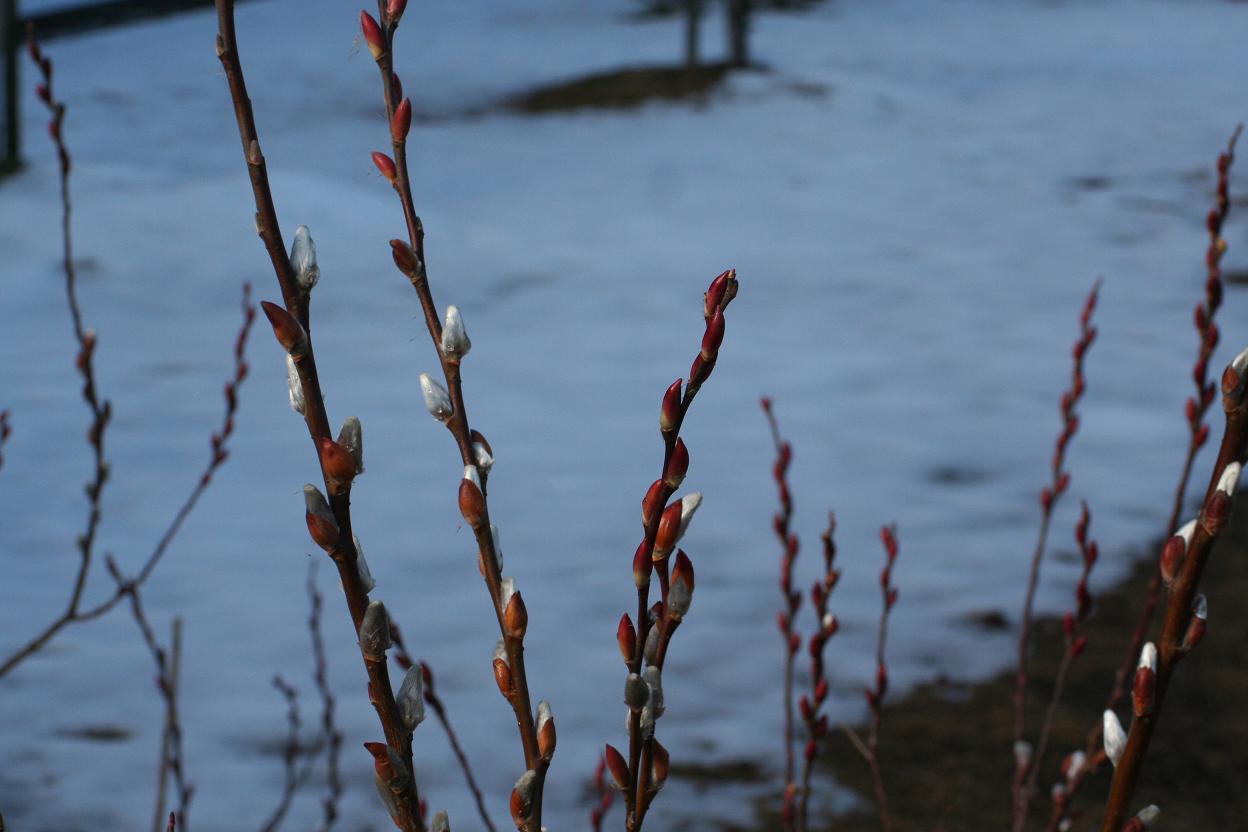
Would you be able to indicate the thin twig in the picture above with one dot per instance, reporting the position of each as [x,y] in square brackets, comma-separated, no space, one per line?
[329,728]
[1183,622]
[410,257]
[604,793]
[439,710]
[402,785]
[290,756]
[1060,481]
[1076,643]
[1195,410]
[5,431]
[789,547]
[811,708]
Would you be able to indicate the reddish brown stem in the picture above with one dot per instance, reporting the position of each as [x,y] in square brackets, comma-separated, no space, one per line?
[1049,496]
[520,698]
[398,738]
[1195,410]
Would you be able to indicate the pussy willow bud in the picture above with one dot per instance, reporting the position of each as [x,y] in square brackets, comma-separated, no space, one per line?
[678,466]
[660,763]
[385,166]
[669,412]
[405,259]
[375,632]
[642,565]
[515,615]
[411,698]
[1149,815]
[651,503]
[669,530]
[654,681]
[483,457]
[651,650]
[498,547]
[502,670]
[303,260]
[294,387]
[367,584]
[714,336]
[1115,738]
[455,341]
[372,35]
[441,822]
[1022,755]
[626,638]
[1171,557]
[1229,480]
[1197,625]
[689,504]
[646,722]
[437,400]
[337,462]
[351,437]
[715,294]
[286,328]
[522,797]
[1144,686]
[545,730]
[402,121]
[1072,765]
[618,767]
[635,692]
[471,501]
[681,591]
[321,523]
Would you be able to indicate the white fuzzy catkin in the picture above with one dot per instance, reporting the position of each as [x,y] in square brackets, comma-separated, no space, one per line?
[455,341]
[485,460]
[351,437]
[411,698]
[375,631]
[1229,480]
[1186,532]
[1148,815]
[366,577]
[689,505]
[1148,657]
[441,822]
[303,259]
[1115,737]
[437,400]
[544,715]
[295,386]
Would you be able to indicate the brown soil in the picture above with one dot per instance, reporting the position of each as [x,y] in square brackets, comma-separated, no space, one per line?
[946,748]
[621,89]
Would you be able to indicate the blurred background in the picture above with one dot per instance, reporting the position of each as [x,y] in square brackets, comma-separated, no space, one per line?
[917,197]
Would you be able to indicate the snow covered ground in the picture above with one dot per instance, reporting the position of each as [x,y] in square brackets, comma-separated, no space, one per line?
[917,197]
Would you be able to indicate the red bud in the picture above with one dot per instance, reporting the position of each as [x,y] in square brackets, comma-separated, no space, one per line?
[515,617]
[678,466]
[372,35]
[670,410]
[402,121]
[669,530]
[502,676]
[617,766]
[642,565]
[714,336]
[1171,555]
[405,258]
[471,503]
[386,165]
[715,296]
[651,502]
[337,462]
[1143,691]
[286,328]
[626,637]
[394,10]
